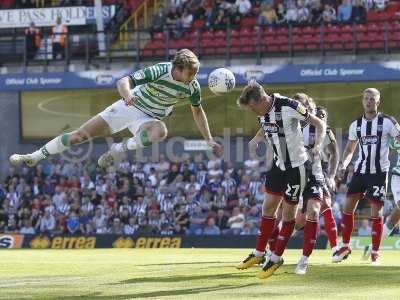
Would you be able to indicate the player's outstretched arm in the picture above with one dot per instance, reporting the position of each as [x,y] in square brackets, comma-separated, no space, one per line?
[124,86]
[333,151]
[253,144]
[200,118]
[346,158]
[320,127]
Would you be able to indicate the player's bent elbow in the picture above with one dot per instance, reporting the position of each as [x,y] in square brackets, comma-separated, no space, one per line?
[123,81]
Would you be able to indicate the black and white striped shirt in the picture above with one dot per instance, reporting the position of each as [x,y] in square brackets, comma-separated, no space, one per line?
[282,129]
[254,186]
[373,137]
[309,133]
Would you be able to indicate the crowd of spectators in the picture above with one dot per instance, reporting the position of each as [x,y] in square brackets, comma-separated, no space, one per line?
[179,15]
[192,197]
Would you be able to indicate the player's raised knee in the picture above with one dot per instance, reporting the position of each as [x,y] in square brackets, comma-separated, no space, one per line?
[159,131]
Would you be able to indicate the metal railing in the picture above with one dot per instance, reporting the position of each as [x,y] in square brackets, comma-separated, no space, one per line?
[225,43]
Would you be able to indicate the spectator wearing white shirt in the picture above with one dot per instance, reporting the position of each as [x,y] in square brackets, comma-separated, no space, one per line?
[303,14]
[329,14]
[184,23]
[27,227]
[292,13]
[47,222]
[365,229]
[236,221]
[215,174]
[243,6]
[131,228]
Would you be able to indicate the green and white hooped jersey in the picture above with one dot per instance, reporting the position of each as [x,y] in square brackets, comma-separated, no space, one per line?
[157,92]
[395,145]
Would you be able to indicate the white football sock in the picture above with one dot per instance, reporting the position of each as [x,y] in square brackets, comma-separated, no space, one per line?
[132,143]
[55,146]
[275,258]
[258,253]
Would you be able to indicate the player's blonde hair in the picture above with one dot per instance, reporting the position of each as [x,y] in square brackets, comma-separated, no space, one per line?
[304,98]
[186,59]
[373,91]
[253,91]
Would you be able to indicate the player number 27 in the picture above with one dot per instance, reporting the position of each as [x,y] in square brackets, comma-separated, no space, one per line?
[379,190]
[292,190]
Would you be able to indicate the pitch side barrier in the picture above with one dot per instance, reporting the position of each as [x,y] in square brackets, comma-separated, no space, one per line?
[266,74]
[12,241]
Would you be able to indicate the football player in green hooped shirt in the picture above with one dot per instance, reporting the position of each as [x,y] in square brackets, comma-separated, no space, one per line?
[148,96]
[394,217]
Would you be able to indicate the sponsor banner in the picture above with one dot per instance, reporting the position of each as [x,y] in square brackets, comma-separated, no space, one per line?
[116,241]
[264,74]
[11,241]
[389,243]
[77,15]
[195,145]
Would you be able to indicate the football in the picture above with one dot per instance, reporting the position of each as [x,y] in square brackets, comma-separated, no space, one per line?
[221,81]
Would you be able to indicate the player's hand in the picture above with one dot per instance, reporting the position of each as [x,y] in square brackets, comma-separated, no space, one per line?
[216,148]
[330,182]
[316,152]
[130,101]
[253,145]
[341,172]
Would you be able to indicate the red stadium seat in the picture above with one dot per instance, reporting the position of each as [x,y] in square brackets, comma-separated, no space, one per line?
[298,43]
[347,37]
[234,33]
[220,44]
[394,26]
[220,34]
[331,41]
[362,37]
[207,45]
[394,36]
[373,16]
[332,29]
[248,21]
[191,34]
[282,31]
[346,29]
[187,43]
[312,41]
[309,30]
[206,34]
[198,23]
[159,36]
[360,28]
[297,30]
[284,48]
[273,48]
[247,32]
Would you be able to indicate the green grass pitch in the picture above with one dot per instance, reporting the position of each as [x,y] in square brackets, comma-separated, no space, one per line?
[188,274]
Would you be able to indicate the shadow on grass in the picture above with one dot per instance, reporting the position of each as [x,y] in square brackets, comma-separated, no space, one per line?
[185,278]
[169,293]
[190,263]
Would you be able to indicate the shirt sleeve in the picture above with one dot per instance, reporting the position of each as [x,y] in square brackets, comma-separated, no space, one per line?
[195,96]
[353,132]
[329,138]
[391,143]
[394,127]
[148,74]
[298,111]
